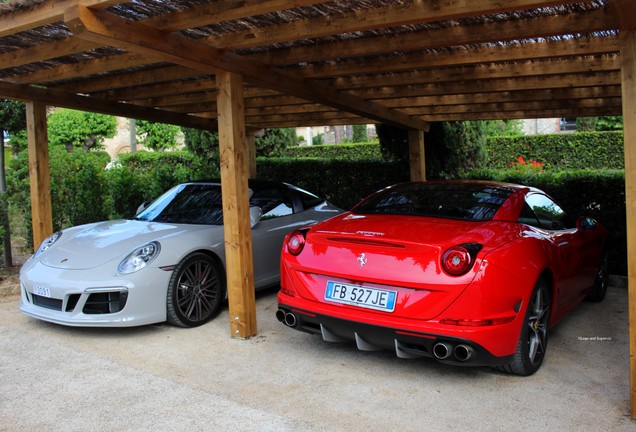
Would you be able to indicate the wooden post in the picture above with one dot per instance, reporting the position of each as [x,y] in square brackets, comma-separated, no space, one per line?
[39,173]
[628,69]
[417,159]
[236,210]
[251,153]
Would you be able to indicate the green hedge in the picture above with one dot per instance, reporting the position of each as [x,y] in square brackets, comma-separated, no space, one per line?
[596,193]
[359,151]
[84,190]
[343,182]
[581,150]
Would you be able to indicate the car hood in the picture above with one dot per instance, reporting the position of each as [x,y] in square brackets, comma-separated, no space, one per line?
[90,246]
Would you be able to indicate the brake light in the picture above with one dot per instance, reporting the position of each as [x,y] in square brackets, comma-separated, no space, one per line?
[457,260]
[296,242]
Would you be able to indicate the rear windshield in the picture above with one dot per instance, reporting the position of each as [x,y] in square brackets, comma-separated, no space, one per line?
[467,201]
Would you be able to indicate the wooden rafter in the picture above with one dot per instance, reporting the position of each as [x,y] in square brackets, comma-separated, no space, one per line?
[411,13]
[109,30]
[68,100]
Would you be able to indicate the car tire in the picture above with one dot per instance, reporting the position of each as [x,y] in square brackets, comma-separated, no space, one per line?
[195,292]
[597,294]
[533,339]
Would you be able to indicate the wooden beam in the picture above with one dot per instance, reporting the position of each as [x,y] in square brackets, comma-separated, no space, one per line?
[628,60]
[109,30]
[468,56]
[417,160]
[423,11]
[624,12]
[45,13]
[39,175]
[514,29]
[86,103]
[224,10]
[236,207]
[251,153]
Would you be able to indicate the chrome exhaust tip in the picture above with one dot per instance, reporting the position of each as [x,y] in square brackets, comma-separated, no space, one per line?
[464,352]
[290,319]
[280,315]
[442,350]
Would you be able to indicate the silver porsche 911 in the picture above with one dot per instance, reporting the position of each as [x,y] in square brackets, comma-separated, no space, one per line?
[166,264]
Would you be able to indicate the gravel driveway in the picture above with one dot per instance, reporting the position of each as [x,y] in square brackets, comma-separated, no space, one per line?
[161,378]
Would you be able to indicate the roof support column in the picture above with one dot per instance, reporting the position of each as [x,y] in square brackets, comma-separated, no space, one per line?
[251,153]
[39,174]
[628,69]
[417,159]
[236,207]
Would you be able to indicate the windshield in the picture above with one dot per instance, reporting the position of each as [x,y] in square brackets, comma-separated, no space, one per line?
[467,201]
[187,204]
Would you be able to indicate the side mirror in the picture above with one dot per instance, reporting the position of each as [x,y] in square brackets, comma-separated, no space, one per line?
[586,224]
[255,215]
[142,207]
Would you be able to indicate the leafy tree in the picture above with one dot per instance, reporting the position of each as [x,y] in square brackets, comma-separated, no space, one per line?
[274,141]
[360,133]
[497,128]
[202,143]
[79,130]
[599,124]
[12,120]
[609,123]
[157,136]
[451,147]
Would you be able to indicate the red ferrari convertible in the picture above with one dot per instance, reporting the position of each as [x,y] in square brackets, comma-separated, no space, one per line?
[468,273]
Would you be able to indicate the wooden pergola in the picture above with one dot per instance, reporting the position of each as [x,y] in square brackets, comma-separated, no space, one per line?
[237,66]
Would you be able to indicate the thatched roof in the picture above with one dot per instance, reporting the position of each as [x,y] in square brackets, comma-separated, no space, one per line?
[322,61]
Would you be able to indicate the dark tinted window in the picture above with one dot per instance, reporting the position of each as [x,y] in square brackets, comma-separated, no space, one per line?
[274,202]
[187,204]
[474,202]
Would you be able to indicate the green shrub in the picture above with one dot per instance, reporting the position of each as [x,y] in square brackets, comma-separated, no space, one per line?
[343,182]
[359,151]
[77,190]
[584,150]
[142,176]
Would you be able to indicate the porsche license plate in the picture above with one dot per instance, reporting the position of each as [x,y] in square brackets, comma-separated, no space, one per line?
[372,298]
[41,291]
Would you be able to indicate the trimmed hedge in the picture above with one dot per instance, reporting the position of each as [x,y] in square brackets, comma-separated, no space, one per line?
[359,151]
[82,190]
[343,182]
[581,150]
[596,193]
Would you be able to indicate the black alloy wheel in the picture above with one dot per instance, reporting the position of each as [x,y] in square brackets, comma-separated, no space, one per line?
[195,292]
[533,340]
[597,294]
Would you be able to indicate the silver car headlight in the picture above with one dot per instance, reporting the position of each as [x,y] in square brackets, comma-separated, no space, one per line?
[47,243]
[139,258]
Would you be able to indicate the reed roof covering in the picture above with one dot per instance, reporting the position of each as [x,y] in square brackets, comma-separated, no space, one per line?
[312,62]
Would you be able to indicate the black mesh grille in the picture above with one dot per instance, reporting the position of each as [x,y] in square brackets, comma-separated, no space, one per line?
[45,302]
[105,303]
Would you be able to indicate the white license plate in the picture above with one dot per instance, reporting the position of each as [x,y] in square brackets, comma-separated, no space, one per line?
[372,298]
[41,291]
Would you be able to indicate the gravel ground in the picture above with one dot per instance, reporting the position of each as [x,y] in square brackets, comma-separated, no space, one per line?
[54,378]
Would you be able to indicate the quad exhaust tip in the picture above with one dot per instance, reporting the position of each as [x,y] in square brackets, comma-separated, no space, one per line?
[461,352]
[287,318]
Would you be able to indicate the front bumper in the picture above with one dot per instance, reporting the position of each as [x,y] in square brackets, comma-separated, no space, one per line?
[93,298]
[445,348]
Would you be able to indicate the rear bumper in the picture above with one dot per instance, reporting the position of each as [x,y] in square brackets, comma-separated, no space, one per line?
[445,348]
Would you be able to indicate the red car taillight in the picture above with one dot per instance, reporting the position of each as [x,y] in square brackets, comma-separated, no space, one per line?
[457,260]
[296,242]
